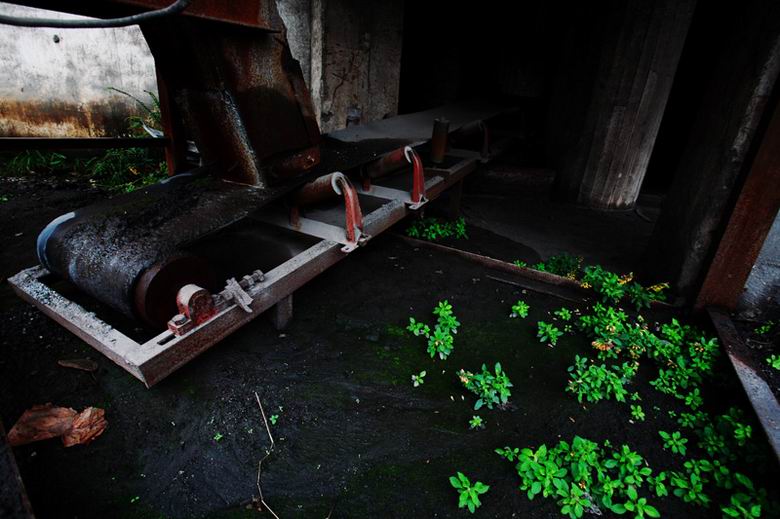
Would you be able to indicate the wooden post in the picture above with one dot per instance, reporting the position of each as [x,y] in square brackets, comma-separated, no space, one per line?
[617,109]
[722,139]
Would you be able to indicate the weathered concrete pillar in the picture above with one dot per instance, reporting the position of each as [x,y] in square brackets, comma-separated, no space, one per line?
[713,161]
[612,132]
[356,60]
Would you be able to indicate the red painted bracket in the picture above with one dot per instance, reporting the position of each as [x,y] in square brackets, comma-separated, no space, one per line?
[393,161]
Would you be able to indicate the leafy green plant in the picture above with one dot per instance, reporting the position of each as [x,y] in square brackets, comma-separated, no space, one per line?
[741,506]
[520,309]
[435,228]
[774,361]
[563,264]
[572,499]
[491,388]
[564,314]
[548,333]
[674,441]
[476,422]
[637,413]
[417,380]
[765,328]
[582,475]
[594,382]
[689,485]
[638,505]
[694,399]
[273,419]
[441,340]
[520,263]
[151,114]
[613,288]
[468,493]
[126,169]
[606,283]
[218,436]
[35,161]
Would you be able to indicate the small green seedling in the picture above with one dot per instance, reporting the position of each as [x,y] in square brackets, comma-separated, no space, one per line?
[637,413]
[774,361]
[563,314]
[476,422]
[694,399]
[469,495]
[765,328]
[417,380]
[520,263]
[134,499]
[639,506]
[218,436]
[520,309]
[274,418]
[442,338]
[674,441]
[492,389]
[548,333]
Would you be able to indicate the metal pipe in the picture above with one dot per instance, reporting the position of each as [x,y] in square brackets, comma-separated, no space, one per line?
[441,128]
[90,23]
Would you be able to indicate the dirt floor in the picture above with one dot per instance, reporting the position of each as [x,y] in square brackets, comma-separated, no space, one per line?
[353,437]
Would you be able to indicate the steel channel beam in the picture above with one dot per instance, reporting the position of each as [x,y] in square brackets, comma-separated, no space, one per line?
[757,390]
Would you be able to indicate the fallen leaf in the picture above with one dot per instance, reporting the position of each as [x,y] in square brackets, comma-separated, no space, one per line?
[41,422]
[82,364]
[88,425]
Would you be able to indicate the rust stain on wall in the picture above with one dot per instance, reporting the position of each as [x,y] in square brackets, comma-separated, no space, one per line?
[107,118]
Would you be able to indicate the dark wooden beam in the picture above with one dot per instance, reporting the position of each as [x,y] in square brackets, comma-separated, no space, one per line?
[753,215]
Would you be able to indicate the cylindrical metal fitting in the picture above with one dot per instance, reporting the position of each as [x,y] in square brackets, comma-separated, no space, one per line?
[131,252]
[319,189]
[441,128]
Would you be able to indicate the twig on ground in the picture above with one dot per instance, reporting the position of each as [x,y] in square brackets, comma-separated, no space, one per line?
[540,291]
[267,453]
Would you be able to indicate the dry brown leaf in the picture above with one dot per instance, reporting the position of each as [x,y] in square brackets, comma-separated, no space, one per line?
[88,425]
[82,364]
[41,422]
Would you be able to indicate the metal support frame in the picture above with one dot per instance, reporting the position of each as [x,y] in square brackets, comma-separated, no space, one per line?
[388,163]
[351,236]
[282,312]
[201,325]
[757,390]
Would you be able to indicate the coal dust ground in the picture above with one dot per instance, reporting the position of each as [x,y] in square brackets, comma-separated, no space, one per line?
[353,437]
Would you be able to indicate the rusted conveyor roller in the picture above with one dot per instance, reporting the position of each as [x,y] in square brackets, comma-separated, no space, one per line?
[167,255]
[128,252]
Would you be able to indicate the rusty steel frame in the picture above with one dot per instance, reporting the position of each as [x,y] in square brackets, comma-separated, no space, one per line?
[757,390]
[748,225]
[160,356]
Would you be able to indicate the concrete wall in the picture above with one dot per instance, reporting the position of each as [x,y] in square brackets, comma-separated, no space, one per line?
[55,81]
[356,59]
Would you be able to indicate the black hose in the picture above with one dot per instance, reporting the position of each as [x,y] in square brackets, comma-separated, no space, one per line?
[175,8]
